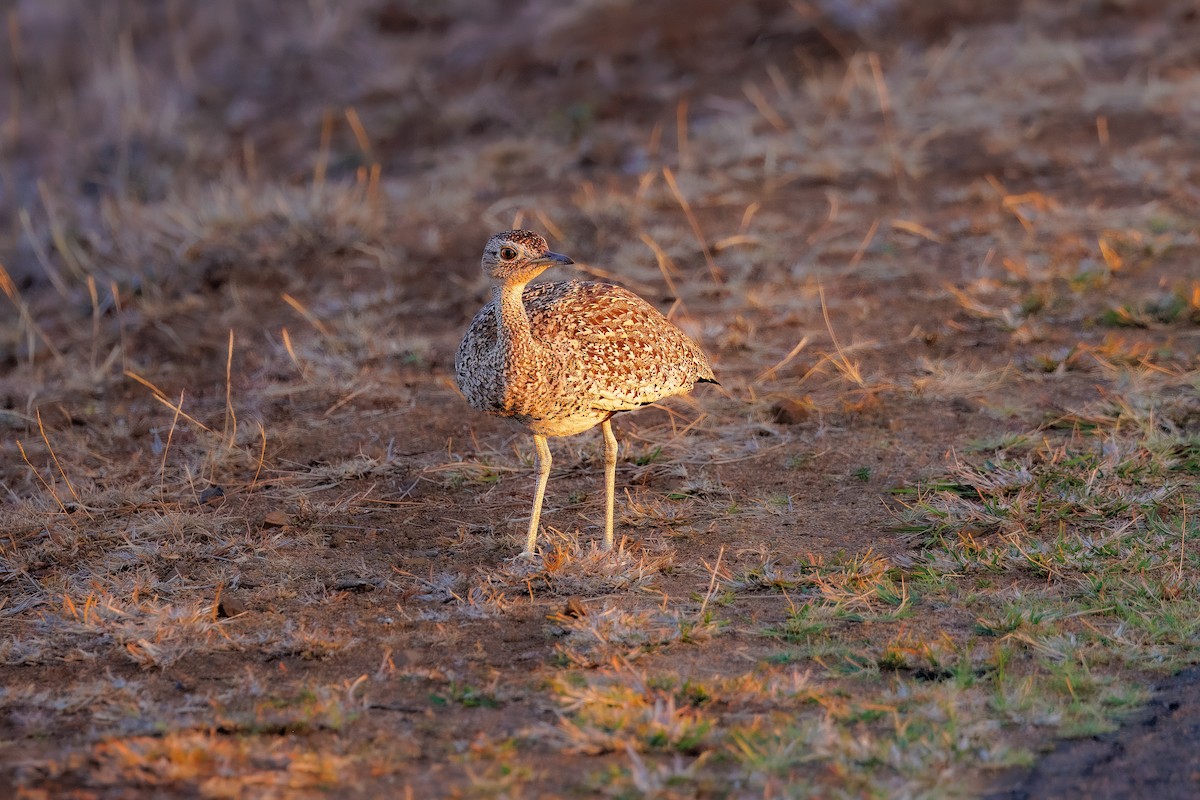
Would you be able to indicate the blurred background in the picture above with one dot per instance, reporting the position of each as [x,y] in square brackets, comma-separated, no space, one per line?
[147,139]
[472,111]
[132,98]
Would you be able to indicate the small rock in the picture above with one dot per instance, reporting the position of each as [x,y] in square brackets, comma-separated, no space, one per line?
[355,585]
[230,605]
[789,411]
[963,405]
[212,496]
[574,608]
[277,519]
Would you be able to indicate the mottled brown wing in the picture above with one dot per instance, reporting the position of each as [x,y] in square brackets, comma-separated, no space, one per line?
[478,368]
[622,352]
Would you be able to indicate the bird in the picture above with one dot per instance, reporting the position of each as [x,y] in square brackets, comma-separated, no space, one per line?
[560,358]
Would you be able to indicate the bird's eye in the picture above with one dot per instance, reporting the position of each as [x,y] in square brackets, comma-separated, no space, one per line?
[507,254]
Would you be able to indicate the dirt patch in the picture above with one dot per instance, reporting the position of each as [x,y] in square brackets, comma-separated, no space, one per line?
[1153,753]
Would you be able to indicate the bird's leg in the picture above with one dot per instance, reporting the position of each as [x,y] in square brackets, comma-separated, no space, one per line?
[610,480]
[543,466]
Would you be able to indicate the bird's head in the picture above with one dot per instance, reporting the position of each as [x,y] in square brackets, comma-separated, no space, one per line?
[518,257]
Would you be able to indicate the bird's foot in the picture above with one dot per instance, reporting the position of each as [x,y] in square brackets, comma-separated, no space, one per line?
[524,557]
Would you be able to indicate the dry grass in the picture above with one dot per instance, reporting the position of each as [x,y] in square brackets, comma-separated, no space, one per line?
[941,511]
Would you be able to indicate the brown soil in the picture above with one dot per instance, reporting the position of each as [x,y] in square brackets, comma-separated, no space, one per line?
[341,618]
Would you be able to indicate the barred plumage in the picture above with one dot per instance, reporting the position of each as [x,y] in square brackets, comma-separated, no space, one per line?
[561,358]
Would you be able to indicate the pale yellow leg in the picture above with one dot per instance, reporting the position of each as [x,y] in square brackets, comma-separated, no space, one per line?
[610,480]
[543,467]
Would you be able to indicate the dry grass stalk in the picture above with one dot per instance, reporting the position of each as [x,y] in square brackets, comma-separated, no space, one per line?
[713,271]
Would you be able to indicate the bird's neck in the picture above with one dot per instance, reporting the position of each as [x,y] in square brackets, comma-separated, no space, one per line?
[515,336]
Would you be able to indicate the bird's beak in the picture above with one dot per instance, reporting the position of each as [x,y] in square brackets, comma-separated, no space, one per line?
[550,259]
